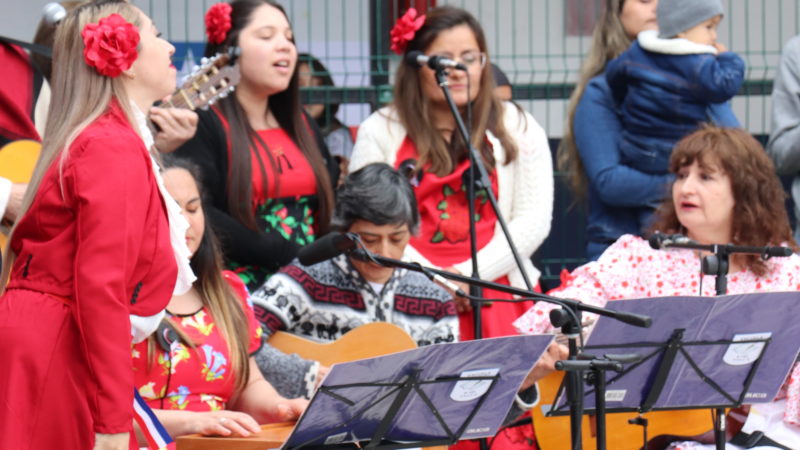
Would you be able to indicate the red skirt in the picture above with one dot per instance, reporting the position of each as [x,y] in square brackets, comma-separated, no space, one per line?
[45,386]
[496,318]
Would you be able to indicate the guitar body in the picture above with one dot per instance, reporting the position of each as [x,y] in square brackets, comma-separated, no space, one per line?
[17,161]
[272,435]
[366,341]
[553,432]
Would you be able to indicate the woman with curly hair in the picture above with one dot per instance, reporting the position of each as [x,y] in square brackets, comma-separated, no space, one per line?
[725,191]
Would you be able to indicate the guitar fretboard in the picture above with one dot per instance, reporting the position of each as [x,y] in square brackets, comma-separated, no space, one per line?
[198,91]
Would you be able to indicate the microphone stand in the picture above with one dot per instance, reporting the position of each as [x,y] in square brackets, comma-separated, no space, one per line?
[717,265]
[570,314]
[476,168]
[479,176]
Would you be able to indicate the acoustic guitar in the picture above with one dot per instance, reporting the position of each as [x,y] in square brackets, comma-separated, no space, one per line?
[553,432]
[17,160]
[215,78]
[366,341]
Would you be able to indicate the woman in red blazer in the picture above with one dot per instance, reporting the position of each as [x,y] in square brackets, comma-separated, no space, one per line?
[93,246]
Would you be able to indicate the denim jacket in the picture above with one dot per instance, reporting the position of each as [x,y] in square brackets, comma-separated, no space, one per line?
[617,194]
[664,89]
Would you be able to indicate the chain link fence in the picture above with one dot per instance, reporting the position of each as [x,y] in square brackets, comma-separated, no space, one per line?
[539,44]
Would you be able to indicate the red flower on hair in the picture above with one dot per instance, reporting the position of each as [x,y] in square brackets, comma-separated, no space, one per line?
[218,22]
[404,30]
[110,45]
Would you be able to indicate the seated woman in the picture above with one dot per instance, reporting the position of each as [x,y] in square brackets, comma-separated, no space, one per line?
[725,191]
[378,204]
[196,372]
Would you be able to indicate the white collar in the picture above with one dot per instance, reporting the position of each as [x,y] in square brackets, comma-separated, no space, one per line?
[144,129]
[649,40]
[177,223]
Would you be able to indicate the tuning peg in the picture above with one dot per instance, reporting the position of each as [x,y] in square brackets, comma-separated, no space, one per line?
[233,54]
[203,61]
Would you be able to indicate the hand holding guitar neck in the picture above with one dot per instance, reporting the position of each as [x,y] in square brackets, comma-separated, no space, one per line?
[173,121]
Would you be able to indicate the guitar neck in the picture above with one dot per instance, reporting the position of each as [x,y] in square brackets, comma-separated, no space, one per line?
[179,99]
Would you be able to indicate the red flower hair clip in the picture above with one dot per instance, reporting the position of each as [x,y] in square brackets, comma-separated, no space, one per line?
[405,29]
[110,45]
[218,22]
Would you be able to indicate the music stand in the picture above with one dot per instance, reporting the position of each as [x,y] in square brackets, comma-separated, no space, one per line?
[700,352]
[433,395]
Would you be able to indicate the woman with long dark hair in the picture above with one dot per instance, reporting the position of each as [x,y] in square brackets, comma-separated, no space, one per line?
[264,166]
[417,133]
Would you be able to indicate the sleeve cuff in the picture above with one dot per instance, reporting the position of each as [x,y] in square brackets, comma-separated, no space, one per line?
[5,194]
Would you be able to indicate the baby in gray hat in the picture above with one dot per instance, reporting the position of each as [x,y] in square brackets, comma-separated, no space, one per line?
[672,80]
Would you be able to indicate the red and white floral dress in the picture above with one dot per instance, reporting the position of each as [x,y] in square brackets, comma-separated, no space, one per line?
[193,379]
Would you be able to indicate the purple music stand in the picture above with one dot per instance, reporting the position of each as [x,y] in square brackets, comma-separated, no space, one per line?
[700,352]
[433,395]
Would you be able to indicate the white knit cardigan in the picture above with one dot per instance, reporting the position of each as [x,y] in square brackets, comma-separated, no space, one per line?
[525,186]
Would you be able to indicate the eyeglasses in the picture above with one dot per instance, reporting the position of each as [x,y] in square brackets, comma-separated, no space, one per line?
[469,59]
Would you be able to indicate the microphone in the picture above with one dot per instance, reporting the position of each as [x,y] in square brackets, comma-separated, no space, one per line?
[660,240]
[778,251]
[327,247]
[53,13]
[416,59]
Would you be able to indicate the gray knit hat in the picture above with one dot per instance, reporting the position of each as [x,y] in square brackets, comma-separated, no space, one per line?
[677,16]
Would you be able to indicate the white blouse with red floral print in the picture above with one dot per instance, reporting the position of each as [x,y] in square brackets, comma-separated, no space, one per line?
[631,269]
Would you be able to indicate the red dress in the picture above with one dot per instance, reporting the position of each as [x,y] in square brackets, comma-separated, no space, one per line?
[287,206]
[93,248]
[193,379]
[17,95]
[444,240]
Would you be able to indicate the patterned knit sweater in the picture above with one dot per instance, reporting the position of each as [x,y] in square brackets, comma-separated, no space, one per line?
[324,301]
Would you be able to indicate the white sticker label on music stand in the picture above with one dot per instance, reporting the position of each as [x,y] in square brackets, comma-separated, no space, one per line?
[336,438]
[467,390]
[745,353]
[615,395]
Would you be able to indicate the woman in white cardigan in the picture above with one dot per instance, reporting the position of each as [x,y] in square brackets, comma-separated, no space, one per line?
[418,134]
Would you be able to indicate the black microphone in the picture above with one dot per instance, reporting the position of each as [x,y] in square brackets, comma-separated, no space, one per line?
[777,251]
[417,59]
[327,247]
[660,240]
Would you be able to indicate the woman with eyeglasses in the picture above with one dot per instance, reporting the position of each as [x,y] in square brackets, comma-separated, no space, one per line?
[417,134]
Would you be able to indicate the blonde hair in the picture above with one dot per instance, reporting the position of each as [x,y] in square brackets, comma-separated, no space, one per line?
[79,96]
[609,40]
